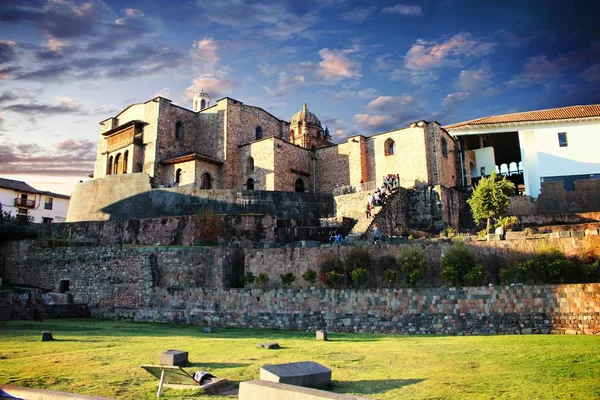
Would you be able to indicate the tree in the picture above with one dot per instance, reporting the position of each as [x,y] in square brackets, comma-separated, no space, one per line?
[491,199]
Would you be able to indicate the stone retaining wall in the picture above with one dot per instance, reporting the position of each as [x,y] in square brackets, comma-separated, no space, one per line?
[469,311]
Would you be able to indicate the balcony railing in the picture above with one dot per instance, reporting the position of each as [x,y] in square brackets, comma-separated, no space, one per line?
[26,203]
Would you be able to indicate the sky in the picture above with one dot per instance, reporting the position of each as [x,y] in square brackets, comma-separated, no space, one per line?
[361,67]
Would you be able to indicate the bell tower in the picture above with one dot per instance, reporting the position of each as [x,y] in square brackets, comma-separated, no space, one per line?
[201,101]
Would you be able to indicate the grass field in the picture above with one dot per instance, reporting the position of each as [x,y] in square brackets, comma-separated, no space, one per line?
[103,358]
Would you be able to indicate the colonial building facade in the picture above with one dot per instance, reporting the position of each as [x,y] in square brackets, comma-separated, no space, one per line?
[231,145]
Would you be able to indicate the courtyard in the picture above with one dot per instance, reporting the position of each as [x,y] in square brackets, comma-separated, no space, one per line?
[103,358]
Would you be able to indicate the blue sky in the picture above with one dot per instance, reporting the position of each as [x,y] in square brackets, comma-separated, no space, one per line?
[362,67]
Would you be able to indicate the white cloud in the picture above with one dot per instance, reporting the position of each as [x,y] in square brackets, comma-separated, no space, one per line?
[217,85]
[472,80]
[358,15]
[205,50]
[391,112]
[454,99]
[345,95]
[450,52]
[373,122]
[540,69]
[393,103]
[404,9]
[335,65]
[414,77]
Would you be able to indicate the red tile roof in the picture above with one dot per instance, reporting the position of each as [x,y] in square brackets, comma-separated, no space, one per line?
[552,114]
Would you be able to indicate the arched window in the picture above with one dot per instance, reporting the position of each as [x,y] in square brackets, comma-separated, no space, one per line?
[109,169]
[125,160]
[250,164]
[202,104]
[390,147]
[118,167]
[299,185]
[250,184]
[259,133]
[178,176]
[206,181]
[444,147]
[179,130]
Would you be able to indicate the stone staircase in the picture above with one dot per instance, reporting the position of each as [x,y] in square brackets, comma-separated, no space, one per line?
[353,206]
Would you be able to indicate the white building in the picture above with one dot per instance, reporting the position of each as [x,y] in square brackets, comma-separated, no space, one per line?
[19,198]
[559,144]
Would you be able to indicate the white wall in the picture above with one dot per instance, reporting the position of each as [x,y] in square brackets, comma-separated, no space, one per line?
[580,157]
[484,158]
[58,212]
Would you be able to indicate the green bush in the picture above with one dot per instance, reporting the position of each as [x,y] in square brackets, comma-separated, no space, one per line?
[359,276]
[329,262]
[413,263]
[334,278]
[475,276]
[506,222]
[508,275]
[591,272]
[262,279]
[16,227]
[390,276]
[548,265]
[309,276]
[358,257]
[287,279]
[457,263]
[247,278]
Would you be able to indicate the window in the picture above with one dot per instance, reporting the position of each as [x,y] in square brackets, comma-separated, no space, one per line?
[202,104]
[250,165]
[444,147]
[64,286]
[179,130]
[48,203]
[250,184]
[206,181]
[389,147]
[125,159]
[118,164]
[46,220]
[110,166]
[259,133]
[299,185]
[562,139]
[178,176]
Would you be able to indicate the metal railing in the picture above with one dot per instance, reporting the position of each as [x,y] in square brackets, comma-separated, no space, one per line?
[19,202]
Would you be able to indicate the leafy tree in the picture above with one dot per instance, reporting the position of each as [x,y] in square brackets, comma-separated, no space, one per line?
[413,263]
[491,199]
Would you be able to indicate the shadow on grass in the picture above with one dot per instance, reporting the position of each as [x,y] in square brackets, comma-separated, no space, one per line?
[210,365]
[374,386]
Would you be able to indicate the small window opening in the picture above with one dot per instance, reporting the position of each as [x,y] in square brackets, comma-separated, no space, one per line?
[206,181]
[46,220]
[562,139]
[444,147]
[202,104]
[64,286]
[110,166]
[250,164]
[125,160]
[178,176]
[48,203]
[118,164]
[259,133]
[179,130]
[250,184]
[299,185]
[390,147]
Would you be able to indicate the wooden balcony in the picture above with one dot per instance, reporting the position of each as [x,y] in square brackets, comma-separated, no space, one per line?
[24,203]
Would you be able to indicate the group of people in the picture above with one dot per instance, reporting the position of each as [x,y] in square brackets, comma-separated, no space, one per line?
[381,195]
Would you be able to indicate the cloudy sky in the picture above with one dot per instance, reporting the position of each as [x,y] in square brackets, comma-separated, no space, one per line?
[362,67]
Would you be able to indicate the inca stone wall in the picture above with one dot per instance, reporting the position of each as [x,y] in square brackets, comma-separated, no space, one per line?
[465,311]
[130,196]
[196,285]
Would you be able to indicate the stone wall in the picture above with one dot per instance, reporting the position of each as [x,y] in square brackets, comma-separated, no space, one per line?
[195,285]
[129,196]
[469,311]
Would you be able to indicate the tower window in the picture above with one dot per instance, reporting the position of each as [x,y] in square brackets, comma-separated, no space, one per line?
[250,164]
[259,133]
[206,181]
[202,104]
[250,184]
[125,160]
[562,139]
[389,147]
[179,130]
[178,176]
[444,147]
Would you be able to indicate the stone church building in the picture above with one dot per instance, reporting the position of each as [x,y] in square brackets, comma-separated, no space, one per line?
[231,145]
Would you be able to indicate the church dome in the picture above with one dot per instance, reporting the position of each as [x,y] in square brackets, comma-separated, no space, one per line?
[305,115]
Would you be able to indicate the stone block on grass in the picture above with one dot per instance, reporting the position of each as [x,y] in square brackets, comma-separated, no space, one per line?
[321,335]
[304,373]
[269,345]
[47,336]
[175,358]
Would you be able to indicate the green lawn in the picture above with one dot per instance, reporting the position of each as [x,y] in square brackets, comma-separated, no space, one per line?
[103,358]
